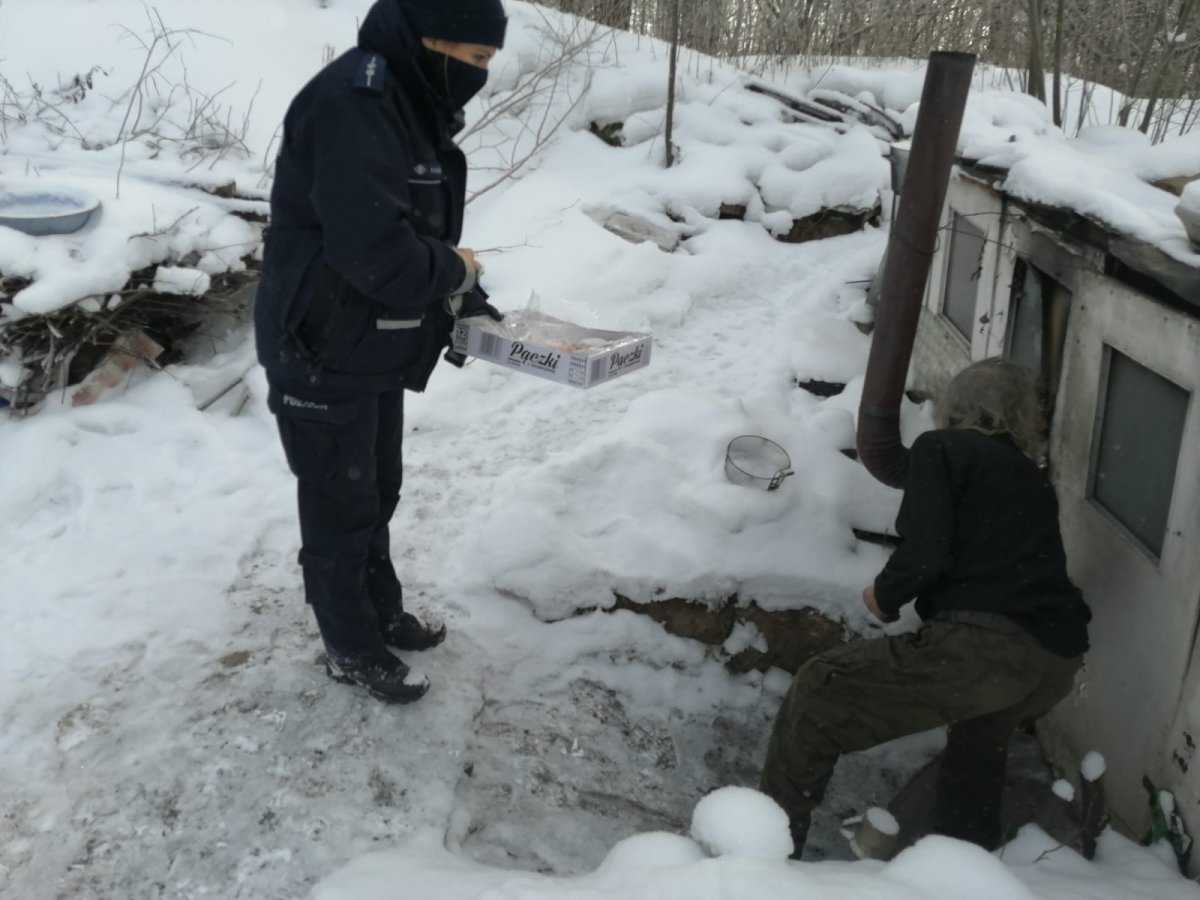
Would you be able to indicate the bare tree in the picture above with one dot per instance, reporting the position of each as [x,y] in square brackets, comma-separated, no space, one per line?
[1037,64]
[1171,41]
[1147,50]
[1059,18]
[613,13]
[674,68]
[541,102]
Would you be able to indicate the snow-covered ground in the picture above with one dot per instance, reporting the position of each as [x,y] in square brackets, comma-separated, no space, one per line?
[167,729]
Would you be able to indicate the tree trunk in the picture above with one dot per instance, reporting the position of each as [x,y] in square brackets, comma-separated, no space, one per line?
[1059,16]
[1153,31]
[671,86]
[1182,21]
[615,13]
[1037,64]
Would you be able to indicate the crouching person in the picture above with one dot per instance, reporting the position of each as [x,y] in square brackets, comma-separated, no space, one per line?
[1003,632]
[362,278]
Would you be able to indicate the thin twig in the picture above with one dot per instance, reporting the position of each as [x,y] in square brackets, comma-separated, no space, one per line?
[151,235]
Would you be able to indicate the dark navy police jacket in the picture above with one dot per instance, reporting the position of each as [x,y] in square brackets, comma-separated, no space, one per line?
[366,210]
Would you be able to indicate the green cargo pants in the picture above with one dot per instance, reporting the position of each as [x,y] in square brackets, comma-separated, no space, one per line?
[981,682]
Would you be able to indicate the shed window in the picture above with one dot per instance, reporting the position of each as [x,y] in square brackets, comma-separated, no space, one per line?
[1137,449]
[962,274]
[1028,314]
[1039,306]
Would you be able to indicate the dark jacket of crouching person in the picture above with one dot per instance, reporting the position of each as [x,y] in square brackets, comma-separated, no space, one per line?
[1004,629]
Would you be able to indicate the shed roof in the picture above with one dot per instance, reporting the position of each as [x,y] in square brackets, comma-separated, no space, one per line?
[1109,186]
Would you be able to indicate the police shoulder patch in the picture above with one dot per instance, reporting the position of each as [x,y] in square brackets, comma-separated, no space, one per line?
[372,74]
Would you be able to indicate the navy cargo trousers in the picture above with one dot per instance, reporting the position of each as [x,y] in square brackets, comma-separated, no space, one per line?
[344,447]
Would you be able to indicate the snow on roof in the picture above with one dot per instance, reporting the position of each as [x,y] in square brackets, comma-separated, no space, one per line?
[1104,174]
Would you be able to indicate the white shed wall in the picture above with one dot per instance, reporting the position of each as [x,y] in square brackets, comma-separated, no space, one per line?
[1145,608]
[1138,702]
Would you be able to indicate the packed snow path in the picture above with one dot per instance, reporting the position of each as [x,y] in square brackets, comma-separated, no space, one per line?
[168,730]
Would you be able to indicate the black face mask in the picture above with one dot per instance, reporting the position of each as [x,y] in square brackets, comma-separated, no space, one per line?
[452,80]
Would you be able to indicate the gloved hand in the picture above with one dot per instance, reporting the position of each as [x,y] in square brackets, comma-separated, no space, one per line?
[475,303]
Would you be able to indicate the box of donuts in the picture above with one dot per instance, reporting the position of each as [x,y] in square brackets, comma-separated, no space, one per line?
[538,344]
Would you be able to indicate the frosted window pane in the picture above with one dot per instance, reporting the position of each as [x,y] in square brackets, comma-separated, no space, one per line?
[1025,345]
[1141,434]
[962,275]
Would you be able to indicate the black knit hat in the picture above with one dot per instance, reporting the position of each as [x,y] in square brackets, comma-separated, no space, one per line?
[465,21]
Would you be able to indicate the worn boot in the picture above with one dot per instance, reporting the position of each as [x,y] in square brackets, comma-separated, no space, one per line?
[407,632]
[384,678]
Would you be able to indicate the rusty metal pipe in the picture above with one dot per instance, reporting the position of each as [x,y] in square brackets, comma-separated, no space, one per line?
[906,266]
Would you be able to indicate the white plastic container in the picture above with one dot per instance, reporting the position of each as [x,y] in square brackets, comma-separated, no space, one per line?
[550,348]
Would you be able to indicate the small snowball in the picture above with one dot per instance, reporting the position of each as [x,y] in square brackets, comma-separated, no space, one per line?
[1093,766]
[883,821]
[176,280]
[1063,790]
[11,372]
[736,821]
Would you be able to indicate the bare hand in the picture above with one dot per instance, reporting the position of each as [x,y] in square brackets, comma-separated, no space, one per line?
[872,604]
[468,256]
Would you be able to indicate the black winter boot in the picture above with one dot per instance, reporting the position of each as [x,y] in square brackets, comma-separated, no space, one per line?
[409,633]
[384,678]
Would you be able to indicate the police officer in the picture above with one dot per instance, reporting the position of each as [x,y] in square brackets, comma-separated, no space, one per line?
[362,278]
